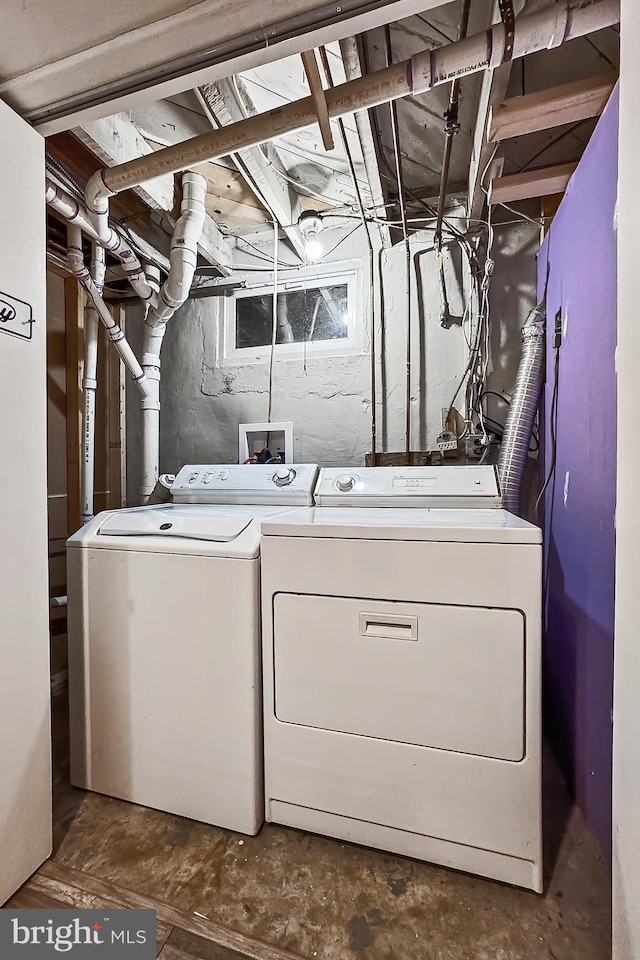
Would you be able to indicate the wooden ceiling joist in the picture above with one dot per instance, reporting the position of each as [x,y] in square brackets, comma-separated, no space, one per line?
[115,140]
[531,183]
[265,177]
[312,72]
[567,103]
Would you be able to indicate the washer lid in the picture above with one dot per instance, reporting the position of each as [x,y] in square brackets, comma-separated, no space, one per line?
[192,523]
[397,523]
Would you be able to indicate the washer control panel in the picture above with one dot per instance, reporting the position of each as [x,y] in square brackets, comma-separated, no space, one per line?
[279,484]
[474,486]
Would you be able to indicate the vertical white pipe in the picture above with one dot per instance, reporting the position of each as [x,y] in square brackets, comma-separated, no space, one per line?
[90,384]
[183,257]
[75,260]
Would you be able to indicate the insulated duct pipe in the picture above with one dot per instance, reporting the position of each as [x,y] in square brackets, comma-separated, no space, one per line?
[77,214]
[75,259]
[183,257]
[514,451]
[545,29]
[90,384]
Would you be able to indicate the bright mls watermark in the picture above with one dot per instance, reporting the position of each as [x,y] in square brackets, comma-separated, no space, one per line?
[79,934]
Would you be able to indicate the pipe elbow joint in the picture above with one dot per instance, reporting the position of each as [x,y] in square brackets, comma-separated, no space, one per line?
[97,193]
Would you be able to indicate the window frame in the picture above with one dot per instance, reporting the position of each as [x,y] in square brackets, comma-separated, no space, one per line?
[345,272]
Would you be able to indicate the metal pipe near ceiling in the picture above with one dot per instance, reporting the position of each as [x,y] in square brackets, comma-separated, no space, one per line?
[545,29]
[407,250]
[356,186]
[452,126]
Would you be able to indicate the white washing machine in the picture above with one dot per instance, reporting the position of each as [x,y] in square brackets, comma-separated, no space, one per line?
[401,665]
[164,644]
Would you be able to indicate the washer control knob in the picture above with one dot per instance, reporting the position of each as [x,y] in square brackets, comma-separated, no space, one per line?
[283,476]
[345,482]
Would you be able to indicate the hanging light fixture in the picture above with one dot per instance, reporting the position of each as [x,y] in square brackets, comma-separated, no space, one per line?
[310,225]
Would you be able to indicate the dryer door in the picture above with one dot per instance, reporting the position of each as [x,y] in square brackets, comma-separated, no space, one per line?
[449,677]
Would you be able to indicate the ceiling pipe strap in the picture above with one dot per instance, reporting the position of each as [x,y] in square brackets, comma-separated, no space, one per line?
[508,16]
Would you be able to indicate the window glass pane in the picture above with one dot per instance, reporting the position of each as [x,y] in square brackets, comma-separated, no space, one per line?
[319,313]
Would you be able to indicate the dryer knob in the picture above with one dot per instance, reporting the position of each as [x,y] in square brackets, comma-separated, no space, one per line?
[345,482]
[283,476]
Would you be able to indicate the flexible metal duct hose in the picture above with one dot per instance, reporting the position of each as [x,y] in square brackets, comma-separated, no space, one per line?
[514,450]
[162,489]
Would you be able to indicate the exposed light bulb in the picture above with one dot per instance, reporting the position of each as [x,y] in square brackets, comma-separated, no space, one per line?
[312,247]
[310,224]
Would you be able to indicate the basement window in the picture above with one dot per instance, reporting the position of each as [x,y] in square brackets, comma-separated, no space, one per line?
[319,314]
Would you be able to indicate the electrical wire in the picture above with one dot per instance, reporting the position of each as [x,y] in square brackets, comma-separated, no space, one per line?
[274,328]
[553,427]
[356,187]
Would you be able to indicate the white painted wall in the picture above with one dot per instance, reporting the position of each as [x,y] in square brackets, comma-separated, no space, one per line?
[329,402]
[203,403]
[25,744]
[626,699]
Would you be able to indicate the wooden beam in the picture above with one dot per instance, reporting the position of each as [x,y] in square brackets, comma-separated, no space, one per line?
[266,178]
[550,108]
[531,183]
[115,140]
[82,163]
[317,94]
[229,200]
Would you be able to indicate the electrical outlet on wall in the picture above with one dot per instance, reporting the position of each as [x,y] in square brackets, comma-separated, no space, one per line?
[557,329]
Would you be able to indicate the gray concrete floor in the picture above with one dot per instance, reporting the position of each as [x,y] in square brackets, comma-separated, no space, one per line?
[334,901]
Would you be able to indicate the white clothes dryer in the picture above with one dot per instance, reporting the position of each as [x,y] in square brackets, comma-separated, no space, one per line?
[164,644]
[401,666]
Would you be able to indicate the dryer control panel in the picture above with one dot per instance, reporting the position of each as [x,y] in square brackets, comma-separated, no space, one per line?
[277,483]
[474,486]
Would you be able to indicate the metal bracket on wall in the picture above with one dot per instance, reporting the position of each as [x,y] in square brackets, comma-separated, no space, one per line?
[509,20]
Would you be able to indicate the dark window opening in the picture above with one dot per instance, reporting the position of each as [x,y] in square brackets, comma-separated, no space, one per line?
[303,316]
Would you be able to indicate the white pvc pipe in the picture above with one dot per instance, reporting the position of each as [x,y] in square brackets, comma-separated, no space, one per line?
[77,214]
[183,257]
[75,259]
[548,28]
[90,384]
